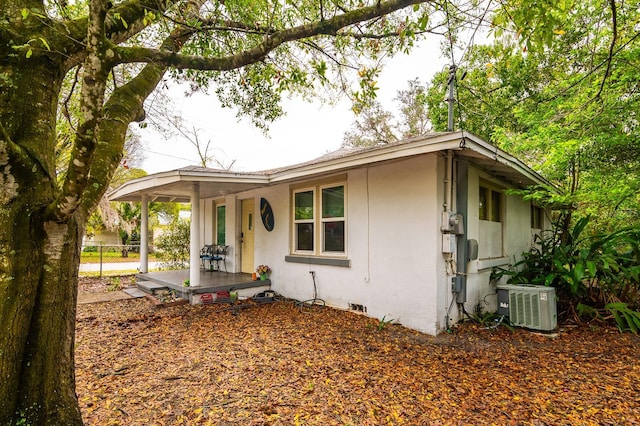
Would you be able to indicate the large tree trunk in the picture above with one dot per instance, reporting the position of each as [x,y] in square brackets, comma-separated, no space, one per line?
[38,258]
[38,293]
[41,305]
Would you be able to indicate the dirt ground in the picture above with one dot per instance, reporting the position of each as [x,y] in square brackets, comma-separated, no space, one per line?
[105,284]
[277,364]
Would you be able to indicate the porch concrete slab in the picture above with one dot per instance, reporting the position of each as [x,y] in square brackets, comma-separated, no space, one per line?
[210,282]
[134,292]
[149,286]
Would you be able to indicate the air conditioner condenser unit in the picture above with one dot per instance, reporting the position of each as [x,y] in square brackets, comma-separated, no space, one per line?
[530,306]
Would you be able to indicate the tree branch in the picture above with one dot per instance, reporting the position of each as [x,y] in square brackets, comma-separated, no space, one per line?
[614,38]
[93,88]
[124,106]
[67,99]
[269,43]
[122,22]
[373,36]
[321,50]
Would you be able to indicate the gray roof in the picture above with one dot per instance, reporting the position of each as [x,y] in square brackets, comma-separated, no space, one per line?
[177,185]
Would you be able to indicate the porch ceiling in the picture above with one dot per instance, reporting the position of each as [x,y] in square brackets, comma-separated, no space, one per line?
[176,185]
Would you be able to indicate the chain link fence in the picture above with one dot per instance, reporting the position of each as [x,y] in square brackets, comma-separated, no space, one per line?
[112,259]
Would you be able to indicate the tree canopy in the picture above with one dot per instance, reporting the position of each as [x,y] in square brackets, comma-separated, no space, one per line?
[565,102]
[568,109]
[374,125]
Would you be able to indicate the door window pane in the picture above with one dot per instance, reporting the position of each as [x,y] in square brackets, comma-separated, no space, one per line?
[495,206]
[490,214]
[220,224]
[537,217]
[482,204]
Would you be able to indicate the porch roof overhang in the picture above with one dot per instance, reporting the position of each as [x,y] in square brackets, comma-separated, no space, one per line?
[176,185]
[500,164]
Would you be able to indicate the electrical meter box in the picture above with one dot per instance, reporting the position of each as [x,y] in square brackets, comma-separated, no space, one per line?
[452,222]
[449,243]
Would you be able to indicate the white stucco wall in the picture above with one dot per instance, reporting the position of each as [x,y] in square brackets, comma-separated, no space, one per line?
[393,244]
[517,237]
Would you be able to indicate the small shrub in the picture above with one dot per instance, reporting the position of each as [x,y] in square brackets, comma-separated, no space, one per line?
[383,323]
[115,284]
[626,319]
[587,272]
[173,246]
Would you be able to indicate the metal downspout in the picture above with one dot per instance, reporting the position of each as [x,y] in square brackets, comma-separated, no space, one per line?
[462,205]
[448,177]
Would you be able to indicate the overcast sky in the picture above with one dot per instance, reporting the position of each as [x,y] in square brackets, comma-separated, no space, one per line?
[307,131]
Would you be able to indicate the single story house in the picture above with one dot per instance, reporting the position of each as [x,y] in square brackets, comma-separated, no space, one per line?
[407,231]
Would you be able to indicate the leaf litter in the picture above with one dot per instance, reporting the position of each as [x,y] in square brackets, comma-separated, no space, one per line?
[274,364]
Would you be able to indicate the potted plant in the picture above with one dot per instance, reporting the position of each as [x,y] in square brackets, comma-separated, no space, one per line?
[262,271]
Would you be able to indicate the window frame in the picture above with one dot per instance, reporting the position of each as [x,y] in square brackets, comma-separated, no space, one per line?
[537,217]
[490,211]
[296,222]
[495,217]
[318,221]
[323,220]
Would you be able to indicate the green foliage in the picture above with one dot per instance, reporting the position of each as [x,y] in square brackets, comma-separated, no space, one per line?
[559,90]
[536,23]
[172,247]
[115,284]
[383,323]
[586,270]
[626,318]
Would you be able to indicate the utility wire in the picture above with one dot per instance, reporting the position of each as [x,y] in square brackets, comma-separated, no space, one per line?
[471,41]
[168,155]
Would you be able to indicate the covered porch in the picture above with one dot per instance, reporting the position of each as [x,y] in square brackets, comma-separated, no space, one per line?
[210,283]
[193,185]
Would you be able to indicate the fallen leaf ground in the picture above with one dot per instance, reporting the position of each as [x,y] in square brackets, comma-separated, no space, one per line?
[277,365]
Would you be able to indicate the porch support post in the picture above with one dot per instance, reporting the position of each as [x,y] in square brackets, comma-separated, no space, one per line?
[194,254]
[144,234]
